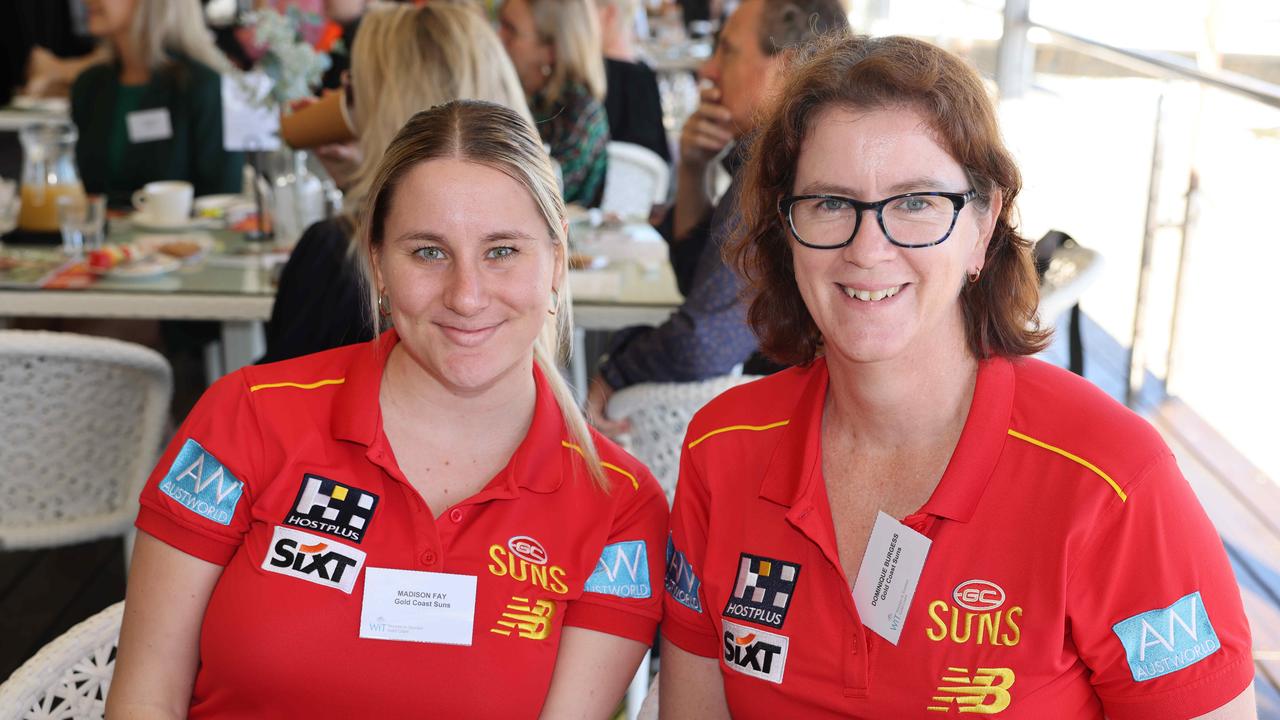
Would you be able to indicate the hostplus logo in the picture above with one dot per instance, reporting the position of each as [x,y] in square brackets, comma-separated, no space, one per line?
[333,508]
[763,590]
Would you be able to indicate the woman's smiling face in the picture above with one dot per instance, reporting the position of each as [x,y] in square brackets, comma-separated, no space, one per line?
[873,300]
[468,265]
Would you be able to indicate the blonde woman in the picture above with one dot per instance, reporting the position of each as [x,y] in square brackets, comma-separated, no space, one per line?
[154,112]
[555,46]
[421,525]
[405,59]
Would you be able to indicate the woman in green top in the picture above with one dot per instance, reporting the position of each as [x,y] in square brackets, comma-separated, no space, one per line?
[155,111]
[555,47]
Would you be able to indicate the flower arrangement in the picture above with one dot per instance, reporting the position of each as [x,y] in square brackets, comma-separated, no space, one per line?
[285,47]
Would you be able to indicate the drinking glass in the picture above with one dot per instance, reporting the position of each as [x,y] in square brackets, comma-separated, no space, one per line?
[81,221]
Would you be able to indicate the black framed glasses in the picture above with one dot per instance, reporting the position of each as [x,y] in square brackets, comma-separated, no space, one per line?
[909,220]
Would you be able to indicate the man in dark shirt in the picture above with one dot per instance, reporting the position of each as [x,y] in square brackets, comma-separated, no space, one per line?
[708,334]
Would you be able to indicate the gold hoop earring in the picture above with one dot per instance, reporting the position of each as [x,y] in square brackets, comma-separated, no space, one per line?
[384,304]
[555,303]
[974,275]
[546,70]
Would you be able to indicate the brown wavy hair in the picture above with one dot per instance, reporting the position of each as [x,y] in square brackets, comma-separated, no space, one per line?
[863,73]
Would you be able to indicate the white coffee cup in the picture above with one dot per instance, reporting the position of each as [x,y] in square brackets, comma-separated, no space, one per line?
[165,202]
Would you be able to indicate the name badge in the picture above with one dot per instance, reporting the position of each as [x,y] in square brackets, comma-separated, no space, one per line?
[417,606]
[149,125]
[889,576]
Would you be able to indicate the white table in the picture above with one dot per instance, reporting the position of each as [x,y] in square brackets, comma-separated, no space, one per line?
[234,287]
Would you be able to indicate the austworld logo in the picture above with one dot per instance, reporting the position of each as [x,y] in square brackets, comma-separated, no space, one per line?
[622,570]
[201,484]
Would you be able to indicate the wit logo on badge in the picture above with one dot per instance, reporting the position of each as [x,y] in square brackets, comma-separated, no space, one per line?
[622,570]
[757,653]
[201,484]
[314,559]
[330,507]
[1158,642]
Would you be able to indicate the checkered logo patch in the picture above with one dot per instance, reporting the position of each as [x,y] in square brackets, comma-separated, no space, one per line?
[763,590]
[330,507]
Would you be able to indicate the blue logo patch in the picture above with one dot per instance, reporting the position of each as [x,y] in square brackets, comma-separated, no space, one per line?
[201,484]
[682,584]
[622,570]
[1158,642]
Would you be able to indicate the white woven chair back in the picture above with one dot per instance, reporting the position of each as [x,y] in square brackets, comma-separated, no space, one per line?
[637,180]
[80,425]
[69,677]
[660,415]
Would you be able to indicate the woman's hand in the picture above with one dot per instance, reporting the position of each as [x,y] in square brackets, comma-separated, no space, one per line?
[598,395]
[159,645]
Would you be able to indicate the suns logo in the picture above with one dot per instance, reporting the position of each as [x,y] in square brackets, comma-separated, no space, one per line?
[525,560]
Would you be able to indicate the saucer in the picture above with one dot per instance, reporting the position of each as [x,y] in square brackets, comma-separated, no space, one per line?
[146,267]
[147,224]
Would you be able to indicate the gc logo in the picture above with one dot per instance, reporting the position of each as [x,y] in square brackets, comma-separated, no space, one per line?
[979,595]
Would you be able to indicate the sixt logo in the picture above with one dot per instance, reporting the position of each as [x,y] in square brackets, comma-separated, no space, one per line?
[529,620]
[1158,642]
[314,559]
[985,693]
[201,484]
[757,653]
[622,570]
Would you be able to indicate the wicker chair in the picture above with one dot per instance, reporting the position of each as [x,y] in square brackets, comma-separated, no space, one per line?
[80,427]
[659,415]
[69,678]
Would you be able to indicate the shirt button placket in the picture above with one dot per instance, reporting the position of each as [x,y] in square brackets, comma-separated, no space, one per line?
[428,557]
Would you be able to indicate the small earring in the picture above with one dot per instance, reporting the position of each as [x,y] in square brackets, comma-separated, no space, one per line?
[546,70]
[974,275]
[555,302]
[384,304]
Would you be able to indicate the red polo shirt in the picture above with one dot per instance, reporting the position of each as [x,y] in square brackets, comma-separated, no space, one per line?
[1072,571]
[283,474]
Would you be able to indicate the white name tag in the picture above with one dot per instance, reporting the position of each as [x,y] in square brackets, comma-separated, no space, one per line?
[889,575]
[416,606]
[149,125]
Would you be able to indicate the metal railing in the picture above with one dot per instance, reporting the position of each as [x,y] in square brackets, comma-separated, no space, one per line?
[1014,71]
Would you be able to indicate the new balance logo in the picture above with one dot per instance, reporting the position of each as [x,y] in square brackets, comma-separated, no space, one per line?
[763,590]
[986,692]
[622,570]
[333,508]
[529,620]
[200,483]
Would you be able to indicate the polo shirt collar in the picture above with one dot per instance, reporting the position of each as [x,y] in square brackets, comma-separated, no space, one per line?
[539,462]
[796,463]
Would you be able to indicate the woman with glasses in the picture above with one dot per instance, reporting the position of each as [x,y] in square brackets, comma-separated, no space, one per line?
[418,526]
[918,518]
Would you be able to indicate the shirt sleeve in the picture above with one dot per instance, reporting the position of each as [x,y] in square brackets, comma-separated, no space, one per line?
[1154,608]
[688,623]
[619,597]
[198,497]
[706,336]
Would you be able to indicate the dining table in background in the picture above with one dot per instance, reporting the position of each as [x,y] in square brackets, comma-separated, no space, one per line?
[626,280]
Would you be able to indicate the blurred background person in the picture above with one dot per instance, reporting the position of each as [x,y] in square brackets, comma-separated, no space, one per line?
[405,59]
[555,47]
[708,334]
[154,112]
[632,102]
